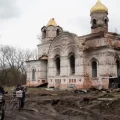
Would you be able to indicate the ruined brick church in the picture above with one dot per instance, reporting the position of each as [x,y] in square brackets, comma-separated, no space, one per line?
[66,59]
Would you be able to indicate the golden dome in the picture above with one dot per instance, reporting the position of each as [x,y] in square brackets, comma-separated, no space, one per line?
[51,22]
[98,7]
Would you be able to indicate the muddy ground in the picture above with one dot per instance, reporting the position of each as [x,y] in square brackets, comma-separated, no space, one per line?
[68,105]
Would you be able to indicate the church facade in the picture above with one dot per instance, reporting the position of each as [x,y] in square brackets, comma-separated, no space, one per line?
[66,59]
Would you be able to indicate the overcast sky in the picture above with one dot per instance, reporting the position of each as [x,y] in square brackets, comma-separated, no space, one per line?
[21,20]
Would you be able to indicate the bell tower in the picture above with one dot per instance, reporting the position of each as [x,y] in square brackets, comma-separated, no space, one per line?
[50,31]
[99,18]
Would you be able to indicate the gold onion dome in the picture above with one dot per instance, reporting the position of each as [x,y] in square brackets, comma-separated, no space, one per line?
[51,22]
[98,7]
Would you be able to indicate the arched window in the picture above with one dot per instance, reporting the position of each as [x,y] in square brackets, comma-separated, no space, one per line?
[72,63]
[94,21]
[58,32]
[44,34]
[57,61]
[94,69]
[33,74]
[106,21]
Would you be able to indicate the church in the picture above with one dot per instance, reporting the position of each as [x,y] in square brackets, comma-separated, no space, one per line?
[67,60]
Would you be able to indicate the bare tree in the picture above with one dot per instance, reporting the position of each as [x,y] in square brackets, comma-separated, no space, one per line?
[34,54]
[3,64]
[12,63]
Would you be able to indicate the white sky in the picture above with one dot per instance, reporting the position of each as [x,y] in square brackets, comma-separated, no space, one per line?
[21,20]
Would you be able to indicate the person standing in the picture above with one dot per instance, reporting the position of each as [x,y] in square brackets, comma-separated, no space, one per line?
[23,89]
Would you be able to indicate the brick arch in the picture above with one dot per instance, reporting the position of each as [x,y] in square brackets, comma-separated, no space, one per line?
[70,54]
[56,56]
[62,41]
[56,51]
[33,68]
[93,59]
[72,49]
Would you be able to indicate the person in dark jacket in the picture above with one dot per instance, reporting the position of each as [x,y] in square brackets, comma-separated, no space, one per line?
[20,87]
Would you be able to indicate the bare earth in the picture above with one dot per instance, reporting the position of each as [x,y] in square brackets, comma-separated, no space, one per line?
[68,105]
